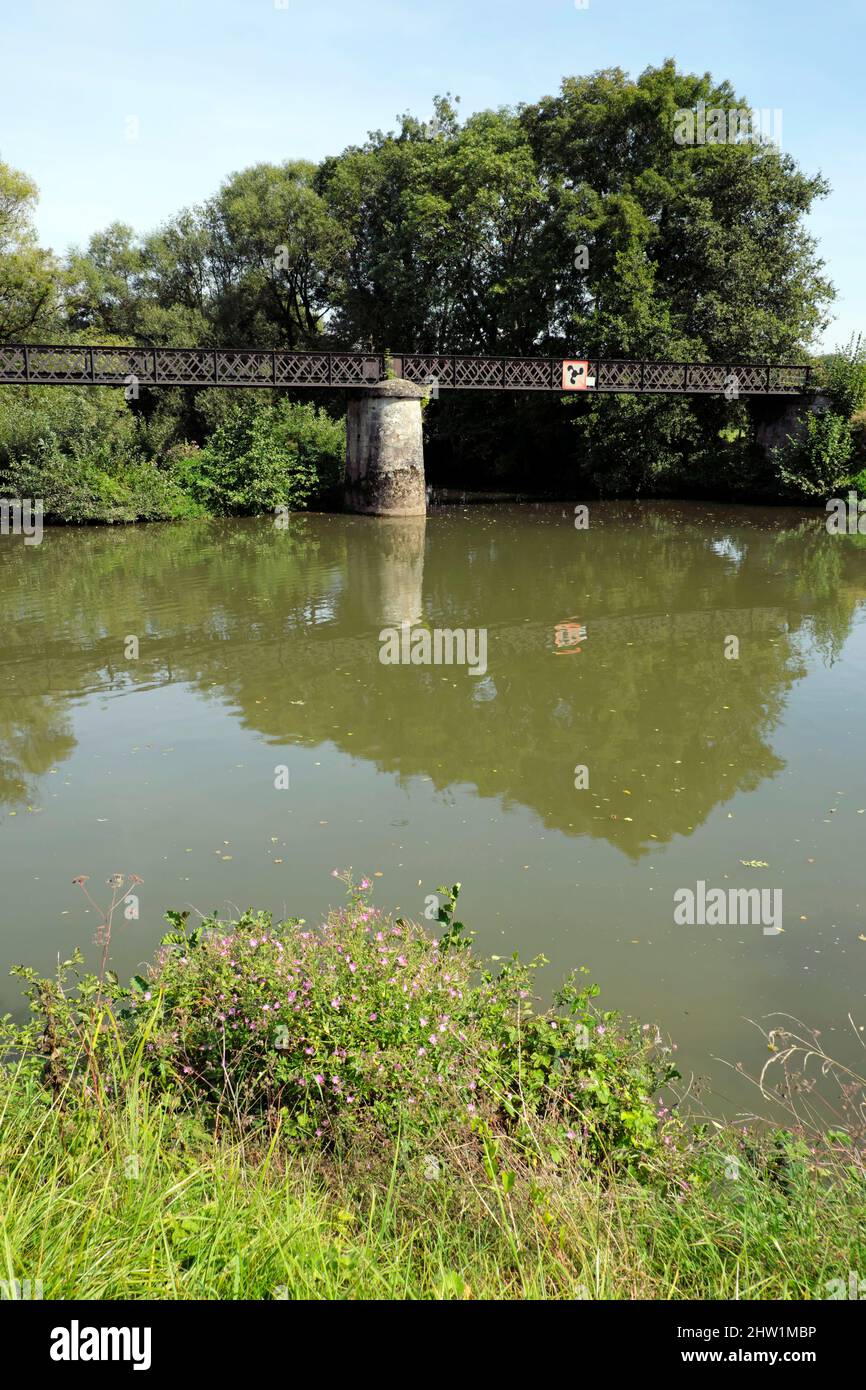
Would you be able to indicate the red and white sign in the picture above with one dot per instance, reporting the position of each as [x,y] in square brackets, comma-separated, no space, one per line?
[575,376]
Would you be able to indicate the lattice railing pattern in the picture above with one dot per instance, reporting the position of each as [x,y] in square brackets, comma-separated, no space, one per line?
[12,364]
[188,366]
[477,371]
[424,367]
[302,369]
[348,369]
[531,373]
[785,380]
[62,364]
[618,376]
[242,368]
[58,363]
[114,366]
[662,376]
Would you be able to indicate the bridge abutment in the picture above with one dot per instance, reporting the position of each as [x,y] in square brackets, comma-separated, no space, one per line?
[384,473]
[777,418]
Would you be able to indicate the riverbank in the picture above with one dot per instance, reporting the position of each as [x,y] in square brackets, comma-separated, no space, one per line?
[368,1110]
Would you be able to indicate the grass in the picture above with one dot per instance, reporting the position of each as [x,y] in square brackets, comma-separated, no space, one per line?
[143,1205]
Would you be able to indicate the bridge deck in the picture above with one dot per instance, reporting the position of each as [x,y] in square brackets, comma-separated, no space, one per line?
[64,365]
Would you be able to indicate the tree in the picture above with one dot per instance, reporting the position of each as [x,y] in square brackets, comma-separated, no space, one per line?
[693,250]
[442,219]
[274,249]
[29,276]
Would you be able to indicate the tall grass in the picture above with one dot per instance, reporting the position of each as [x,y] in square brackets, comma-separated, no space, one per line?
[141,1201]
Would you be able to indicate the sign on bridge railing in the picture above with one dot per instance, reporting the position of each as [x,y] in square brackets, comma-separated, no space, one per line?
[575,375]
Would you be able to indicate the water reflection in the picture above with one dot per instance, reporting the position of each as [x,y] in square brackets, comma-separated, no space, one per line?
[283,627]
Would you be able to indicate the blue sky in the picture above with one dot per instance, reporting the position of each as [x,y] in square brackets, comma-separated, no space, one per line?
[219,84]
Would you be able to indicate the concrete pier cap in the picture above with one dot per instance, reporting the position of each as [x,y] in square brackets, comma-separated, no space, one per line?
[385,449]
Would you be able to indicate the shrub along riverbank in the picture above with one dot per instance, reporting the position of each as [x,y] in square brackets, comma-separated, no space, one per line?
[90,458]
[362,1110]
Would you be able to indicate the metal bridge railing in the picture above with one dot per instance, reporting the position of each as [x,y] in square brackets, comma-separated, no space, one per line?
[64,365]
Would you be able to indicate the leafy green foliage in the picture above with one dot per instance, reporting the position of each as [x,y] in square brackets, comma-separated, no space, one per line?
[261,457]
[89,458]
[84,454]
[151,1136]
[844,378]
[817,459]
[814,463]
[29,276]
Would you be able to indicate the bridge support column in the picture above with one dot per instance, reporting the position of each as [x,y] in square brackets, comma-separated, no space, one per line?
[385,450]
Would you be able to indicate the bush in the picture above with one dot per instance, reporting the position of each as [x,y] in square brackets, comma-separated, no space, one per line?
[79,450]
[844,378]
[365,1027]
[814,463]
[90,458]
[262,456]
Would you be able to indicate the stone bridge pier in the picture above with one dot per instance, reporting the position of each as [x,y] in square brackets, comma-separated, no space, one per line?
[385,450]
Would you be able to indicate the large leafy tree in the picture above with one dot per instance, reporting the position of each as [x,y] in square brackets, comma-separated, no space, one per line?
[274,251]
[693,250]
[444,219]
[252,266]
[468,236]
